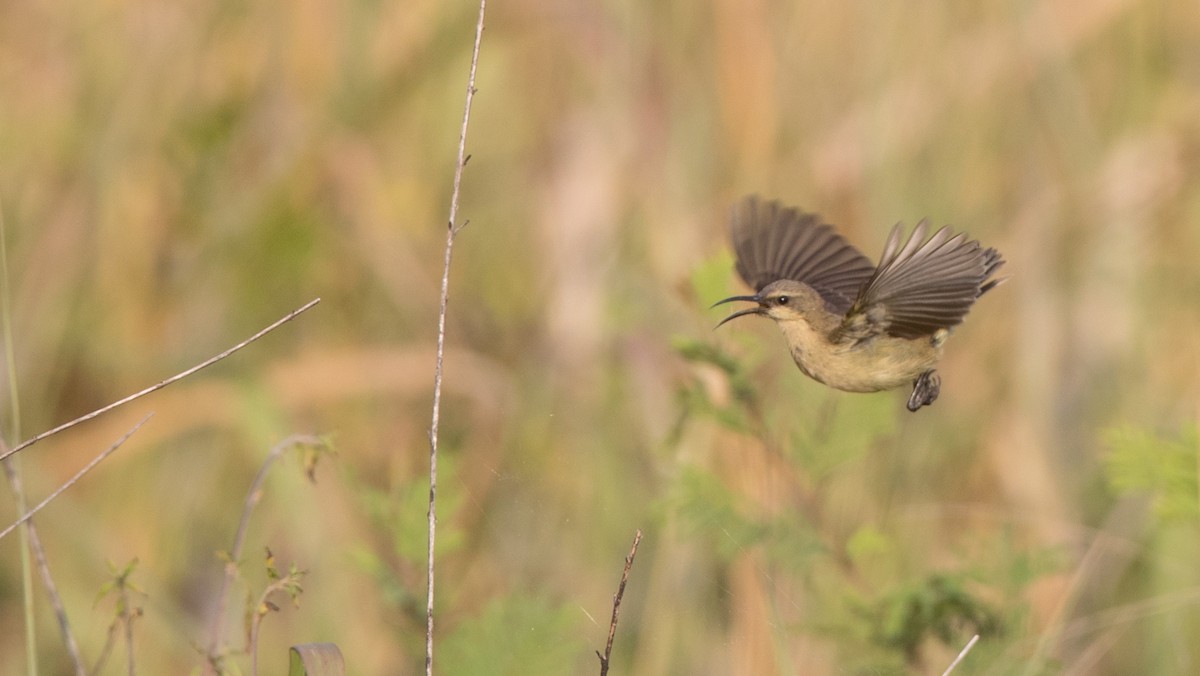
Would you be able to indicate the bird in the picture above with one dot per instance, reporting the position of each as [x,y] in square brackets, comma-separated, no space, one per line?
[851,324]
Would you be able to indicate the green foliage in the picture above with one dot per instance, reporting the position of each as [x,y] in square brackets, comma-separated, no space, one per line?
[879,608]
[937,606]
[120,585]
[1164,574]
[519,634]
[288,584]
[839,432]
[696,399]
[710,279]
[709,509]
[401,512]
[1142,462]
[396,560]
[707,506]
[868,544]
[123,590]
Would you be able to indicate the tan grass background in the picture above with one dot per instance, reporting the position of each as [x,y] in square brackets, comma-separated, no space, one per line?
[174,176]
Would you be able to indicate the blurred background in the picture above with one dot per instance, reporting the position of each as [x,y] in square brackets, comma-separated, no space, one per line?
[176,176]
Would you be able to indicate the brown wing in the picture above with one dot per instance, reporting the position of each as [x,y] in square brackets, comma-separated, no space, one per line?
[774,242]
[922,286]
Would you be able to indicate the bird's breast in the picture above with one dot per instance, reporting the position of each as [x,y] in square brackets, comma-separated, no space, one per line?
[871,365]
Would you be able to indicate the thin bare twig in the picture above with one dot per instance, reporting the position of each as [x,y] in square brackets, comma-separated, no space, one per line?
[106,651]
[154,388]
[39,552]
[612,625]
[34,544]
[12,472]
[14,478]
[253,496]
[451,232]
[966,649]
[78,475]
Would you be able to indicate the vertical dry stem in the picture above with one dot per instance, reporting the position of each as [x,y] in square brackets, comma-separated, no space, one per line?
[452,230]
[612,625]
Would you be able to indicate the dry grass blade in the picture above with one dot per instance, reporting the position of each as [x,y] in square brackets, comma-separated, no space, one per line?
[316,659]
[78,475]
[963,653]
[154,388]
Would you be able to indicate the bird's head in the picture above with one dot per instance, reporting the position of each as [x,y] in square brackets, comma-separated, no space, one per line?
[784,300]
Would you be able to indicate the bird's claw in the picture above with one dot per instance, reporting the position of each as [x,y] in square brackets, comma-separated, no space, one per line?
[925,390]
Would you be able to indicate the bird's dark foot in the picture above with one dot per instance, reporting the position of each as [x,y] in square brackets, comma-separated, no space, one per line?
[925,390]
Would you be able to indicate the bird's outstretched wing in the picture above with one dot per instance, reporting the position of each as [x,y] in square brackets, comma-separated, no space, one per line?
[922,286]
[774,242]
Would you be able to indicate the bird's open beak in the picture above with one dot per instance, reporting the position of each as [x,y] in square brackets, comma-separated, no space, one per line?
[740,313]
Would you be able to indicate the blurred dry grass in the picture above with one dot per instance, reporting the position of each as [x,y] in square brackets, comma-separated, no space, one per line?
[177,175]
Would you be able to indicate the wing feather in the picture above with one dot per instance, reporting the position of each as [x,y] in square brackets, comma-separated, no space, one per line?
[774,242]
[922,286]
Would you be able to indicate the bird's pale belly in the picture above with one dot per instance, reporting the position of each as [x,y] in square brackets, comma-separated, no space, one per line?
[882,363]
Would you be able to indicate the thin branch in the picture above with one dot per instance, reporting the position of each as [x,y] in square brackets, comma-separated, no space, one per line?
[78,475]
[12,471]
[961,655]
[154,388]
[34,545]
[60,611]
[109,641]
[39,552]
[253,496]
[129,639]
[612,625]
[451,232]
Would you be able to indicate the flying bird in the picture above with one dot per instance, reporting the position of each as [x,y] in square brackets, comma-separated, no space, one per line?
[851,324]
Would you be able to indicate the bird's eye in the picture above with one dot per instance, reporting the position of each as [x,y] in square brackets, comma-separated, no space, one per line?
[782,300]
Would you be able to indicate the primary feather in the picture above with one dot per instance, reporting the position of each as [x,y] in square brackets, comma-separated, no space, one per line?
[773,242]
[925,285]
